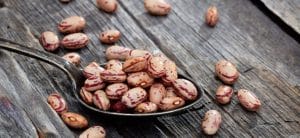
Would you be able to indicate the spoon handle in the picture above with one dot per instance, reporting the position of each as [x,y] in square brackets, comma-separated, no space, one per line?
[73,72]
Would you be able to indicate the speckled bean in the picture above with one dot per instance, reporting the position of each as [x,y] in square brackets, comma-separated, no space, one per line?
[224,94]
[170,103]
[93,132]
[156,93]
[114,65]
[139,53]
[74,120]
[109,6]
[248,100]
[92,69]
[134,96]
[100,100]
[119,107]
[49,41]
[135,64]
[94,83]
[156,67]
[157,7]
[86,96]
[73,58]
[110,36]
[115,91]
[211,122]
[227,71]
[185,89]
[75,41]
[146,107]
[140,79]
[117,52]
[170,92]
[72,24]
[113,76]
[57,102]
[171,72]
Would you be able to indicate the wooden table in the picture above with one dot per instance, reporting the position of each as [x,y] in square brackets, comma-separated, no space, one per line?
[264,46]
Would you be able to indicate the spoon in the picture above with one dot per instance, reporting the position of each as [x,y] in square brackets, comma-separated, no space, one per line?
[77,79]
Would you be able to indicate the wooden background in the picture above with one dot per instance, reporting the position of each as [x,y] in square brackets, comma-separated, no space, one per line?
[266,53]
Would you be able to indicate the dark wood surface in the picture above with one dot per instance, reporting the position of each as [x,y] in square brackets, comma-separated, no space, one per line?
[267,57]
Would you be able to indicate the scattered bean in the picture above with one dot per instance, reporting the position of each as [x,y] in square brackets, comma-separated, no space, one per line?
[248,100]
[224,94]
[109,6]
[49,41]
[57,102]
[157,7]
[74,120]
[73,58]
[72,24]
[212,16]
[93,132]
[117,52]
[110,36]
[75,41]
[211,122]
[227,71]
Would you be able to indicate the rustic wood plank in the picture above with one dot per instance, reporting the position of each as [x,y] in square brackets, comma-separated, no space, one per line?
[288,11]
[265,56]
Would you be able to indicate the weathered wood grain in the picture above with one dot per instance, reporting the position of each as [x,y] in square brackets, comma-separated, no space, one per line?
[287,10]
[265,55]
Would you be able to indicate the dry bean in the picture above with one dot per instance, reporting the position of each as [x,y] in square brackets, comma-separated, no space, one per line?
[119,107]
[185,89]
[211,17]
[115,91]
[117,52]
[156,93]
[110,36]
[146,107]
[100,100]
[139,53]
[114,65]
[86,96]
[113,76]
[75,41]
[74,120]
[107,5]
[171,72]
[170,92]
[93,132]
[72,24]
[94,83]
[157,7]
[92,69]
[135,64]
[140,79]
[57,102]
[134,96]
[49,41]
[170,103]
[156,67]
[224,94]
[227,71]
[248,100]
[73,58]
[211,122]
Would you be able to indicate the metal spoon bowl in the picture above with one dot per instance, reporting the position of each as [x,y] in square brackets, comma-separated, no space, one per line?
[76,77]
